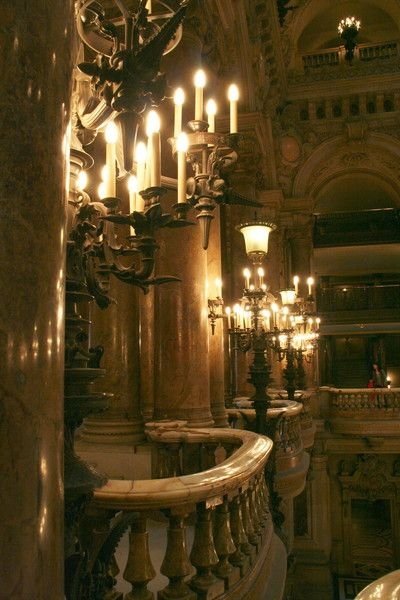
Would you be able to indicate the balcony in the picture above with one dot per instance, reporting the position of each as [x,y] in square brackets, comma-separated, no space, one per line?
[381,226]
[330,63]
[209,488]
[365,412]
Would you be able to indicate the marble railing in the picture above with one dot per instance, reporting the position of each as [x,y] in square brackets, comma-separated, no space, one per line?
[288,467]
[227,505]
[346,400]
[364,53]
[385,588]
[372,413]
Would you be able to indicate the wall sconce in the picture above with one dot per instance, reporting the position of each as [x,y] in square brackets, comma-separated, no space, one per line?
[348,29]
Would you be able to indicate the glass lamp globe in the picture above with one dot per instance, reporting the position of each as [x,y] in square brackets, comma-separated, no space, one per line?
[256,236]
[288,297]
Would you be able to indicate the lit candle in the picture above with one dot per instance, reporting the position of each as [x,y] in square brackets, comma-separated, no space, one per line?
[132,189]
[211,110]
[310,283]
[182,147]
[140,158]
[233,95]
[260,273]
[199,84]
[179,99]
[154,149]
[274,308]
[228,312]
[296,280]
[111,135]
[81,181]
[236,311]
[266,314]
[148,6]
[101,190]
[246,274]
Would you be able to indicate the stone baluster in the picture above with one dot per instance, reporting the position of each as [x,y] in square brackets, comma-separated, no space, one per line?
[139,569]
[224,545]
[240,557]
[258,530]
[380,99]
[248,522]
[204,557]
[208,459]
[176,565]
[261,508]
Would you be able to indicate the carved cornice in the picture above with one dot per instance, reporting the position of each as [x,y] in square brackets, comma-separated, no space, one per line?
[369,476]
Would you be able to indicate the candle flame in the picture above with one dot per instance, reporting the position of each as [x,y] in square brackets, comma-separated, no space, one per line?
[153,123]
[140,152]
[211,107]
[179,96]
[200,79]
[111,133]
[233,93]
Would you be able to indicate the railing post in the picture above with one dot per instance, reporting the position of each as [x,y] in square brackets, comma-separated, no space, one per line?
[204,557]
[224,546]
[139,569]
[176,565]
[248,524]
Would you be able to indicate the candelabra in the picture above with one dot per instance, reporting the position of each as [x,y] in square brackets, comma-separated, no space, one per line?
[348,29]
[260,323]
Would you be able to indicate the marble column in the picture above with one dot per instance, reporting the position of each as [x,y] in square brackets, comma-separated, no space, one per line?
[117,330]
[36,61]
[178,345]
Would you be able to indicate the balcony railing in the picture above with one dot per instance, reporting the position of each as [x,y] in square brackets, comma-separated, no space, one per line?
[372,413]
[357,228]
[332,57]
[226,504]
[374,297]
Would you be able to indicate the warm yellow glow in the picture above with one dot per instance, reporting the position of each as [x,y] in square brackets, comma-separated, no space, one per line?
[288,296]
[296,279]
[233,93]
[140,152]
[228,310]
[133,184]
[256,238]
[274,307]
[260,272]
[310,281]
[218,285]
[200,79]
[246,273]
[153,123]
[101,190]
[111,133]
[105,174]
[211,107]
[81,181]
[179,96]
[182,142]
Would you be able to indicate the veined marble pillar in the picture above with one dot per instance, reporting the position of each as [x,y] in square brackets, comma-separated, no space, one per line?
[117,330]
[36,61]
[179,343]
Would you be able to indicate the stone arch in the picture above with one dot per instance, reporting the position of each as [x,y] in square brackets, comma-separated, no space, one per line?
[377,157]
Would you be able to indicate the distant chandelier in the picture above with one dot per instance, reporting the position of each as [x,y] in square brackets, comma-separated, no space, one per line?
[348,29]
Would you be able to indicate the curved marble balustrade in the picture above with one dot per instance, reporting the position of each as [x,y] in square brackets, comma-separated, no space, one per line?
[291,460]
[364,411]
[227,505]
[385,588]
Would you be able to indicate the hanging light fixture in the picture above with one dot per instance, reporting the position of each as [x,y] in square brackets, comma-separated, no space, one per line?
[348,29]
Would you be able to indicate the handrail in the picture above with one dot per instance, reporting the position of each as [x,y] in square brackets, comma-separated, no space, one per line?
[231,474]
[386,587]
